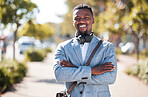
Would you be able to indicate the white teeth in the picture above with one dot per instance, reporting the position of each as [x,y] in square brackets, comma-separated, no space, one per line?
[82,26]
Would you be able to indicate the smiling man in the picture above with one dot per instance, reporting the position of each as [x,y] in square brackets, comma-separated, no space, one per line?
[71,57]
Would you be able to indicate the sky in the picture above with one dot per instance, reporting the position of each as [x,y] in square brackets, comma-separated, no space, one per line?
[49,9]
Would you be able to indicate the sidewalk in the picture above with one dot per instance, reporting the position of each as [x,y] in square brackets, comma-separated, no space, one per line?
[40,81]
[125,85]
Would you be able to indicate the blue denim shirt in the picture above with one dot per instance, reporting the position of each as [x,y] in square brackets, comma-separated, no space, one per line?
[95,85]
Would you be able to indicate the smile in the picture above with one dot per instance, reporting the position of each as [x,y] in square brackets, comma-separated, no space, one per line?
[82,25]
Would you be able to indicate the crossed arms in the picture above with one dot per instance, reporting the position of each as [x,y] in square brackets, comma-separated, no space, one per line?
[100,74]
[106,67]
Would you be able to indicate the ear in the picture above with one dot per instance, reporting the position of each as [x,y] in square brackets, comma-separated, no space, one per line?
[93,21]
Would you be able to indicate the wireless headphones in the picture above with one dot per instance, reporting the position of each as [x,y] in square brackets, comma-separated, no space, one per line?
[85,38]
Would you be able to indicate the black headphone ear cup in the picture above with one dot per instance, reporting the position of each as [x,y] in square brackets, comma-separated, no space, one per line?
[86,38]
[81,39]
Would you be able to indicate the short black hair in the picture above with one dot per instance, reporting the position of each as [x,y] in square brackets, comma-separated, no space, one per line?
[83,6]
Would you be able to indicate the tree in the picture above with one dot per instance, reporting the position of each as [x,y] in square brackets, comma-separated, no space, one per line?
[137,21]
[98,6]
[109,20]
[67,25]
[117,17]
[17,12]
[39,31]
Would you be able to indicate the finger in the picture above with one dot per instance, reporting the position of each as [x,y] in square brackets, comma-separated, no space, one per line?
[109,67]
[63,61]
[60,63]
[108,63]
[107,70]
[104,69]
[67,64]
[66,61]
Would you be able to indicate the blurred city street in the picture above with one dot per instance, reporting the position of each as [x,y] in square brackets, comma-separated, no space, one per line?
[30,29]
[40,81]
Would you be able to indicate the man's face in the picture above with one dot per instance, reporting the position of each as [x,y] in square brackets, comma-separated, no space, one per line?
[82,21]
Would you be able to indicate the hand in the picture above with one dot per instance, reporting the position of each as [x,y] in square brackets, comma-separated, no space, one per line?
[65,63]
[106,67]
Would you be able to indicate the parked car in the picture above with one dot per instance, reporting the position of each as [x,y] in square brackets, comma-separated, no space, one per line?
[24,43]
[128,47]
[25,46]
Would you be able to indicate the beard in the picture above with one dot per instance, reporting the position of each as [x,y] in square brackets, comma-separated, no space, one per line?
[83,33]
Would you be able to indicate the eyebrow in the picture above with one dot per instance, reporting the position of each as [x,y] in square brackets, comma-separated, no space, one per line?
[85,15]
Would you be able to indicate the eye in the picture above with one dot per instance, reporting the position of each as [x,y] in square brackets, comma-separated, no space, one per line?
[86,18]
[77,19]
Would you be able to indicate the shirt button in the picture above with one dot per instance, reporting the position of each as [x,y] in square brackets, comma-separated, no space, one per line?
[81,92]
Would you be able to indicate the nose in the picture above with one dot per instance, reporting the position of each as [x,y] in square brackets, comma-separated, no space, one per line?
[81,20]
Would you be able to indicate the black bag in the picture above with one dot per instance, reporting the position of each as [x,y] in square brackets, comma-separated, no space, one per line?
[62,94]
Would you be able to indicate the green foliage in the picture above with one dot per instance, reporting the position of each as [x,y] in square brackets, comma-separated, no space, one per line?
[35,54]
[39,31]
[14,11]
[144,53]
[120,17]
[67,25]
[11,72]
[107,19]
[107,14]
[139,70]
[47,50]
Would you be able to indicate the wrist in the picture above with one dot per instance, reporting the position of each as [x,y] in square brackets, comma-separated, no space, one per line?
[92,70]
